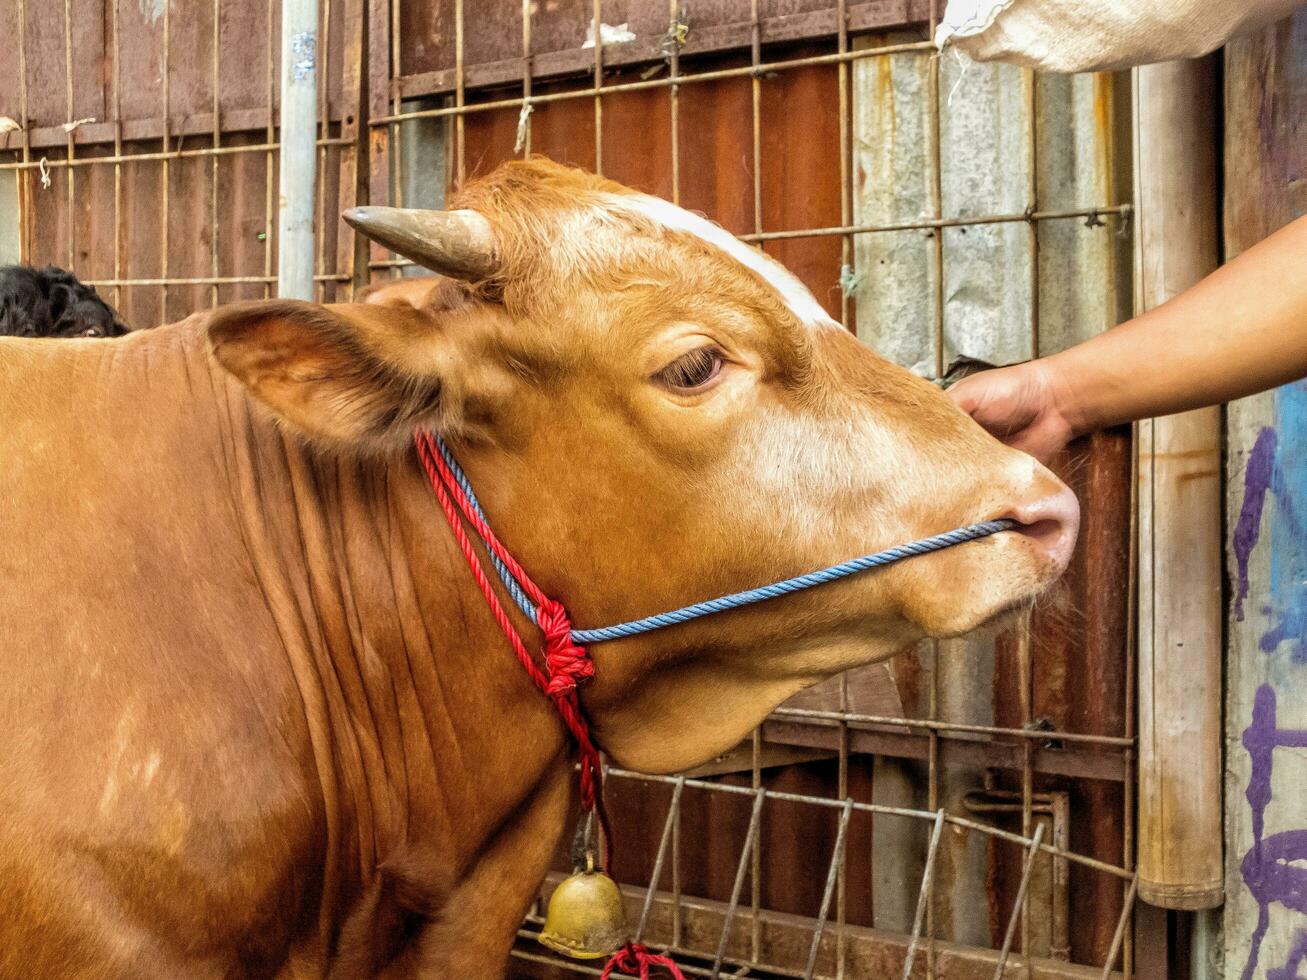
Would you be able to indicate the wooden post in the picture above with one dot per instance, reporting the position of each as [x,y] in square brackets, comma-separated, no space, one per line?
[1179,485]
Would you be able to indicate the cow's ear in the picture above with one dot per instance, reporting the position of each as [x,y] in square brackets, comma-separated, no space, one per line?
[349,374]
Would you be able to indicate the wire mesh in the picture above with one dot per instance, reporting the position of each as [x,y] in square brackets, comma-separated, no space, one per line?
[735,935]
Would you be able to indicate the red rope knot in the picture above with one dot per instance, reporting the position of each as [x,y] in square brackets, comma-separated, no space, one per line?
[568,664]
[635,960]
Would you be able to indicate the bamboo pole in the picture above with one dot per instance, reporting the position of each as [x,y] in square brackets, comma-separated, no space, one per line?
[1179,492]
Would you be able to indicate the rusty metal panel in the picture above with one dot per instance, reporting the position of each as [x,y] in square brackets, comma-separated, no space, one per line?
[1044,154]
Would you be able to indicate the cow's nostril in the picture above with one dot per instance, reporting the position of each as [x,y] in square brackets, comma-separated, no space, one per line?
[1051,524]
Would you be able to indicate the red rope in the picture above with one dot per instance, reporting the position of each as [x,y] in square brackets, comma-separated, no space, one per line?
[566,664]
[636,960]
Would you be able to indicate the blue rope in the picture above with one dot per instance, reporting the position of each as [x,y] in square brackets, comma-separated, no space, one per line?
[749,596]
[746,598]
[511,583]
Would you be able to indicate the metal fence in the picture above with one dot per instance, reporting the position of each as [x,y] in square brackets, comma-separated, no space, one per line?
[967,813]
[144,154]
[1011,788]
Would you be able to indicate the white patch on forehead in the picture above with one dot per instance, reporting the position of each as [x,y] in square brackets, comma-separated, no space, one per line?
[794,293]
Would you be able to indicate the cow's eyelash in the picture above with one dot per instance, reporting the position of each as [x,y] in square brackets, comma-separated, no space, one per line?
[693,369]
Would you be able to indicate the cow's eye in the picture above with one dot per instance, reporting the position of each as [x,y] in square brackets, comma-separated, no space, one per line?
[692,370]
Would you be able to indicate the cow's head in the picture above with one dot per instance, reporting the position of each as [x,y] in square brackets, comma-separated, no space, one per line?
[654,413]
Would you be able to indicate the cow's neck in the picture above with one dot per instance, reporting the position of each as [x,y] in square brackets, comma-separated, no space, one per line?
[425,732]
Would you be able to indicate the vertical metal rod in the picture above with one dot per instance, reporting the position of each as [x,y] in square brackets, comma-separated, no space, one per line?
[1031,94]
[832,874]
[324,221]
[299,128]
[26,205]
[527,69]
[396,141]
[216,140]
[598,83]
[1025,674]
[759,796]
[1019,903]
[270,138]
[1126,909]
[70,181]
[165,175]
[923,898]
[755,91]
[673,809]
[843,781]
[1024,650]
[676,879]
[674,93]
[846,186]
[755,859]
[934,142]
[117,152]
[1128,760]
[460,94]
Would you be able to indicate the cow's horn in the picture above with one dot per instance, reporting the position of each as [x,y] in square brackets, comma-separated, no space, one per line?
[460,244]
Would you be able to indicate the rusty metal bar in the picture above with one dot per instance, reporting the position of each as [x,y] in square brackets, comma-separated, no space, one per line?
[270,146]
[674,92]
[207,280]
[846,184]
[946,728]
[165,171]
[1019,904]
[597,26]
[116,46]
[673,810]
[656,83]
[892,811]
[923,899]
[1025,694]
[1121,923]
[524,117]
[1090,213]
[460,95]
[322,240]
[759,795]
[203,151]
[832,874]
[213,163]
[755,860]
[70,179]
[25,206]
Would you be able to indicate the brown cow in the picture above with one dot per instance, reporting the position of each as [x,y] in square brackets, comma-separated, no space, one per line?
[256,720]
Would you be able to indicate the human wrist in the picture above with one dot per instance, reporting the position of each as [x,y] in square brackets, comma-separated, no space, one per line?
[1062,378]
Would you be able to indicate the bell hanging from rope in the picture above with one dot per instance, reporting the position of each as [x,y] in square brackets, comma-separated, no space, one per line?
[586,918]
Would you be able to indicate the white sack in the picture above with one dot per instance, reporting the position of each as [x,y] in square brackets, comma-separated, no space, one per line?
[1099,35]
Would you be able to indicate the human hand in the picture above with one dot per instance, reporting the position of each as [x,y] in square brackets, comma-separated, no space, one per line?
[1023,406]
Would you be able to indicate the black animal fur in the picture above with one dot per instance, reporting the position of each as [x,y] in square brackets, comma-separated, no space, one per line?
[52,302]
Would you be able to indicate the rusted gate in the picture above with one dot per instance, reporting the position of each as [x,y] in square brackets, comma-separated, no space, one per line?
[145,150]
[830,134]
[964,812]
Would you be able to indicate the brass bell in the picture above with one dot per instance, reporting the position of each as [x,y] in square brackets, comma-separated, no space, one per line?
[586,918]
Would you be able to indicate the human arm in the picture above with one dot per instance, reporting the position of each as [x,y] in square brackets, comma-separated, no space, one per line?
[1240,330]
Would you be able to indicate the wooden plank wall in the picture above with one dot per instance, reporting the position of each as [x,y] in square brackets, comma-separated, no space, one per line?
[147,78]
[1265,921]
